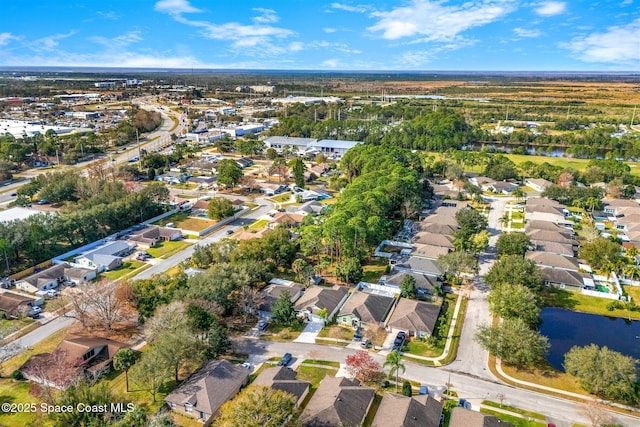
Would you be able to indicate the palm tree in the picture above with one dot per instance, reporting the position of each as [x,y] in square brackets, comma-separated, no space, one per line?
[394,361]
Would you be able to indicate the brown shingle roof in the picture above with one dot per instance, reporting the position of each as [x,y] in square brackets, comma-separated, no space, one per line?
[402,411]
[461,417]
[321,297]
[210,386]
[10,301]
[281,378]
[434,239]
[367,307]
[337,402]
[553,260]
[412,315]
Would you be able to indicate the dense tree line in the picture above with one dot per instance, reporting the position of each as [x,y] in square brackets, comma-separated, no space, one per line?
[93,209]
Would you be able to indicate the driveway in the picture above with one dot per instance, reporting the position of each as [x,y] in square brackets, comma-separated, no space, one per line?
[310,333]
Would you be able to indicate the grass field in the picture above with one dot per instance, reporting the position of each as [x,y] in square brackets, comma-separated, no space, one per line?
[165,248]
[584,303]
[337,332]
[281,198]
[258,225]
[184,221]
[547,376]
[516,421]
[47,345]
[374,270]
[12,391]
[314,374]
[513,409]
[126,268]
[283,333]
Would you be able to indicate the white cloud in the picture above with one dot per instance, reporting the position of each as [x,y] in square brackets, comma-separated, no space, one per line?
[523,32]
[122,40]
[618,45]
[268,16]
[257,39]
[626,2]
[296,46]
[346,7]
[109,15]
[329,30]
[175,7]
[550,8]
[331,63]
[434,21]
[5,38]
[49,43]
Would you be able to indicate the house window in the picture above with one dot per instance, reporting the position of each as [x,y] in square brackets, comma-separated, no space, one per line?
[89,354]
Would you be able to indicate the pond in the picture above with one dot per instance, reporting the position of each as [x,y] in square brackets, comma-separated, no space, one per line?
[566,328]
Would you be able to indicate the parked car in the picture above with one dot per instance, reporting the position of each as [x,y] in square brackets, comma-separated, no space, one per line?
[262,325]
[358,335]
[423,390]
[285,359]
[51,293]
[464,403]
[398,343]
[42,202]
[366,344]
[36,309]
[247,365]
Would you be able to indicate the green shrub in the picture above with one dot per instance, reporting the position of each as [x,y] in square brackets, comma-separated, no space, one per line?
[17,375]
[406,389]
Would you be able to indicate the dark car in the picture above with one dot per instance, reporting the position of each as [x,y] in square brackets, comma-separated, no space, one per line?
[398,343]
[285,359]
[358,335]
[464,403]
[366,344]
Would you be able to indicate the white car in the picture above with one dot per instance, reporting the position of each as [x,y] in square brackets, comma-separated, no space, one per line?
[52,293]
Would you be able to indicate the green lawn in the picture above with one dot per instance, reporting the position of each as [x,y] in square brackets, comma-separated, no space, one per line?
[321,362]
[313,374]
[283,333]
[258,225]
[126,268]
[281,198]
[18,392]
[561,298]
[116,382]
[47,345]
[514,409]
[167,248]
[10,326]
[633,291]
[517,215]
[175,218]
[372,271]
[338,332]
[423,348]
[516,421]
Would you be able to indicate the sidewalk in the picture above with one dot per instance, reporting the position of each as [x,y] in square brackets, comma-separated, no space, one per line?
[541,388]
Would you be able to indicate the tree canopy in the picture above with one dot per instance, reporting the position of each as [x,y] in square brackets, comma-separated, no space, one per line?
[514,243]
[604,372]
[258,406]
[513,341]
[515,269]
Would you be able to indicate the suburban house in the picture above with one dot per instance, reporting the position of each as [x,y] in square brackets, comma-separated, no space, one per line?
[434,239]
[334,147]
[105,257]
[244,162]
[396,410]
[310,207]
[285,218]
[425,285]
[88,356]
[430,251]
[502,187]
[619,207]
[204,392]
[79,276]
[417,264]
[538,184]
[417,318]
[546,259]
[200,207]
[172,177]
[316,298]
[367,306]
[537,236]
[270,293]
[152,235]
[556,248]
[43,280]
[338,401]
[534,225]
[439,218]
[461,417]
[566,279]
[53,276]
[13,305]
[202,180]
[544,209]
[483,182]
[445,229]
[282,378]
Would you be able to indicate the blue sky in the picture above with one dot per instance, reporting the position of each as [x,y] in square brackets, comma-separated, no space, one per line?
[472,35]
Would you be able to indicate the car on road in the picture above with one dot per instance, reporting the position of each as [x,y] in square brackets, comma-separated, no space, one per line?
[464,403]
[262,325]
[285,359]
[13,194]
[230,231]
[247,365]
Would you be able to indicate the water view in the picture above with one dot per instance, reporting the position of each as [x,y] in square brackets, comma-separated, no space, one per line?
[566,328]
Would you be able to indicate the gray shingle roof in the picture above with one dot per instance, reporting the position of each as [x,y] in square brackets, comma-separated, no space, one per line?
[413,315]
[368,308]
[338,401]
[402,411]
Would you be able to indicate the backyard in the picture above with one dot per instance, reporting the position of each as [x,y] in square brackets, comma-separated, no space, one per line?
[562,298]
[184,221]
[434,347]
[167,248]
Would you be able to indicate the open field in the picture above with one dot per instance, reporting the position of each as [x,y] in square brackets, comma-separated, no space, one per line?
[184,221]
[126,268]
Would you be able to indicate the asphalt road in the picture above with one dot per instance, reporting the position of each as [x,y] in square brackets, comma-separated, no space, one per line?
[564,413]
[264,207]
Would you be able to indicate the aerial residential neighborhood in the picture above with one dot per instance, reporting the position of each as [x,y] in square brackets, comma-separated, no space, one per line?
[209,253]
